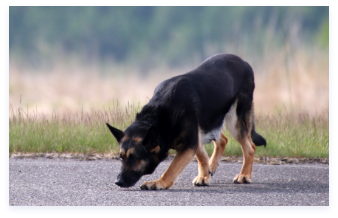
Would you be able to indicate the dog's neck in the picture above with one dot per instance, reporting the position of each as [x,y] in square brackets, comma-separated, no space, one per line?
[152,116]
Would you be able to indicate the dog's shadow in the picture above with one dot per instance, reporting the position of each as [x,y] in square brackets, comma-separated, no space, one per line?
[230,188]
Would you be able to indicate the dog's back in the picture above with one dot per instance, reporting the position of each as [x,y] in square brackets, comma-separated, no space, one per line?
[207,94]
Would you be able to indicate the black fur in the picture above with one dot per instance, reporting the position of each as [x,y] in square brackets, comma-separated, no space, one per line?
[185,105]
[257,139]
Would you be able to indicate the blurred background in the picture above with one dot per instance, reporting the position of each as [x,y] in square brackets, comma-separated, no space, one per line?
[71,59]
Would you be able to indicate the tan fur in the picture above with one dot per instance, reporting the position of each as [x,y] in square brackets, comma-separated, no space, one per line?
[140,165]
[244,139]
[168,178]
[122,152]
[130,151]
[137,139]
[203,167]
[248,149]
[156,149]
[219,147]
[125,138]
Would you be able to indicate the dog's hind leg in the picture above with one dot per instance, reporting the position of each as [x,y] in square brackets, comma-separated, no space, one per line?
[203,167]
[219,147]
[238,123]
[248,149]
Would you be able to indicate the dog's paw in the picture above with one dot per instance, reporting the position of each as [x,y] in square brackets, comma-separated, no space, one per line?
[213,167]
[201,181]
[155,185]
[242,178]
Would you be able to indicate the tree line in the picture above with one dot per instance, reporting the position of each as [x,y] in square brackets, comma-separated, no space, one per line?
[150,34]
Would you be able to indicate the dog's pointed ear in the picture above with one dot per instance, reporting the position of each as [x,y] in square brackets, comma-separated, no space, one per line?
[118,134]
[151,139]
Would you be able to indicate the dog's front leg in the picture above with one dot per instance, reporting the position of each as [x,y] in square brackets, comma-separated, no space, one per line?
[181,160]
[203,167]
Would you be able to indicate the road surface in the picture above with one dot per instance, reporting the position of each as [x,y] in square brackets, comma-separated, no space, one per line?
[62,182]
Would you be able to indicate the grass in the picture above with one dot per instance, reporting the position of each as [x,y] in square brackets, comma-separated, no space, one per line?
[291,135]
[288,136]
[298,81]
[296,84]
[76,133]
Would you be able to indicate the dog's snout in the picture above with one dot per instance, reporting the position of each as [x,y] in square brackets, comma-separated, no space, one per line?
[120,182]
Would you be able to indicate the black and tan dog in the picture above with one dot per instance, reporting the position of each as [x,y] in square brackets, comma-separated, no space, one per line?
[186,112]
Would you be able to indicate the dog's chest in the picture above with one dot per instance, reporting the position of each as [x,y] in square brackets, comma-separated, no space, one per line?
[207,137]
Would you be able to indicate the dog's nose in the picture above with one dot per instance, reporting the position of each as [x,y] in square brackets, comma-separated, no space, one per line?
[119,182]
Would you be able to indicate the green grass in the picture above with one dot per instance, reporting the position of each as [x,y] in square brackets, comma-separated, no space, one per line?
[296,136]
[286,134]
[77,133]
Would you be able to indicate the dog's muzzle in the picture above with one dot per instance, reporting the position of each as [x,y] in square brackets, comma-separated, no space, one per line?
[120,182]
[127,181]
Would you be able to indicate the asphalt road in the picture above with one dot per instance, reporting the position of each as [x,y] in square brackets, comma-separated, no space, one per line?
[64,182]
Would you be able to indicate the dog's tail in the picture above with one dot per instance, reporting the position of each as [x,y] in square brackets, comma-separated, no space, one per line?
[257,139]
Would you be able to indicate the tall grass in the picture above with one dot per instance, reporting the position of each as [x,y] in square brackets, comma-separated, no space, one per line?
[85,132]
[296,135]
[288,135]
[77,132]
[300,83]
[291,98]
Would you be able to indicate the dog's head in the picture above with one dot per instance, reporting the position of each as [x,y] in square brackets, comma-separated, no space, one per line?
[139,150]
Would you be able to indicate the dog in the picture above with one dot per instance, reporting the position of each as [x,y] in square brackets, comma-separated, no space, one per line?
[186,112]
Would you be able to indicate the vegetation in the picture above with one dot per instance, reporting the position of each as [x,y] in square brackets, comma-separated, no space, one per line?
[64,61]
[289,136]
[79,132]
[148,36]
[85,133]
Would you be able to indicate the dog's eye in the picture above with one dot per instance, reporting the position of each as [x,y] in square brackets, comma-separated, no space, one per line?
[131,157]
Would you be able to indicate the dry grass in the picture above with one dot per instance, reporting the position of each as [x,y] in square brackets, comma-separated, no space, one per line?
[299,82]
[64,109]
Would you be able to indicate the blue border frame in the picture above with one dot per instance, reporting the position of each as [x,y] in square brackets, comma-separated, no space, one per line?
[25,210]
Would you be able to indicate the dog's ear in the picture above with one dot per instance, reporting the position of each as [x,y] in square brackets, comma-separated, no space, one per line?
[151,139]
[118,134]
